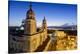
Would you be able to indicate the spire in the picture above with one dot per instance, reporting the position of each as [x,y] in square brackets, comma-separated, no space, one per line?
[30,5]
[44,20]
[44,25]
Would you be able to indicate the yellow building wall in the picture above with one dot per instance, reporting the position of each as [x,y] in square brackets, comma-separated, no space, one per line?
[34,41]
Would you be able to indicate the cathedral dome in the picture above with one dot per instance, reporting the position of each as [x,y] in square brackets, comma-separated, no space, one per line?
[30,13]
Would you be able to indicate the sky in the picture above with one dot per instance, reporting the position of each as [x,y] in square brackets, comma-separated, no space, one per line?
[56,14]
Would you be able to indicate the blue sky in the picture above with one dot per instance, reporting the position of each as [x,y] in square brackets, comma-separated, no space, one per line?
[56,14]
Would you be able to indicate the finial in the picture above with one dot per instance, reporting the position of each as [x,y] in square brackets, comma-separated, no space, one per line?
[30,5]
[44,18]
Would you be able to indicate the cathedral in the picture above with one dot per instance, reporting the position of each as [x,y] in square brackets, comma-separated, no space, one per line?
[34,37]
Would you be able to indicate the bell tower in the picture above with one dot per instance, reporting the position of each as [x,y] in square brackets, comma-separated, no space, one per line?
[44,24]
[30,22]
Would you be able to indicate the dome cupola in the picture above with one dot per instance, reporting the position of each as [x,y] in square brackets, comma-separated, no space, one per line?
[30,14]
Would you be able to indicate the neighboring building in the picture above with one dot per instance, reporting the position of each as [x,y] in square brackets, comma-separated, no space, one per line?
[65,41]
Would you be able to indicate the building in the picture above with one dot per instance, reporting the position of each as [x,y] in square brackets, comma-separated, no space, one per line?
[32,38]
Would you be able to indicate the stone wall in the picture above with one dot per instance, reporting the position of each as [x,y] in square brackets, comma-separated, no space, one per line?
[32,42]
